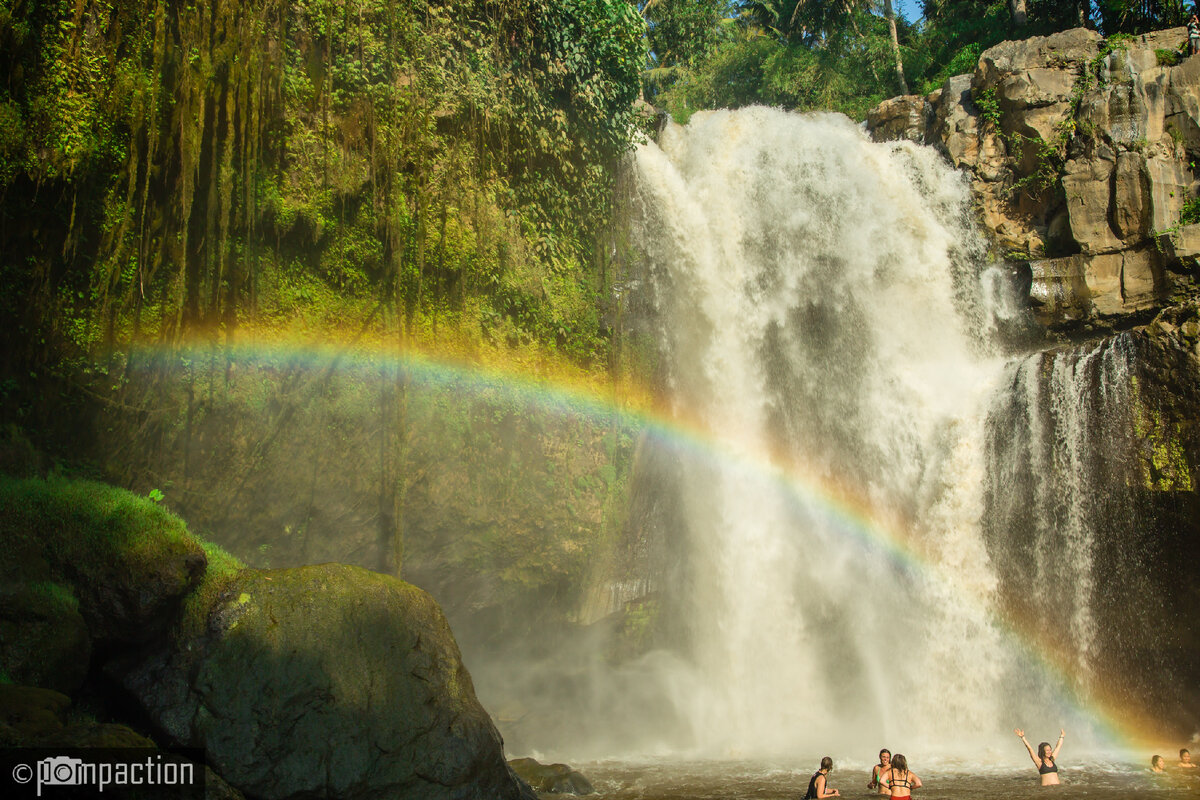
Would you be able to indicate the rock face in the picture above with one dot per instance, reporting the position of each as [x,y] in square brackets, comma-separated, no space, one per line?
[328,681]
[1080,152]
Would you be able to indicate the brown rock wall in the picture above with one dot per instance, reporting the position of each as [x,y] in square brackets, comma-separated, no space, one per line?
[1081,154]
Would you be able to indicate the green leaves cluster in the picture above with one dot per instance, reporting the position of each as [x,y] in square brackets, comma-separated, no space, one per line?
[197,166]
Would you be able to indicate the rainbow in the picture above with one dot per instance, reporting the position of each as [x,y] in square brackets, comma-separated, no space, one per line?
[848,510]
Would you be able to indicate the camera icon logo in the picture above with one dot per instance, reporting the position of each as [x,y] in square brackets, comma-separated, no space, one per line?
[60,771]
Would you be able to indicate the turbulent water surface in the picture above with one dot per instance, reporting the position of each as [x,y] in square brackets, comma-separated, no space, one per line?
[746,780]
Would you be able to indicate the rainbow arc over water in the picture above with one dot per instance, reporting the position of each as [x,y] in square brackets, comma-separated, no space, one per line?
[1115,717]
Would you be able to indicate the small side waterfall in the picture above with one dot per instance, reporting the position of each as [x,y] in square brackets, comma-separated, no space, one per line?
[1060,439]
[817,300]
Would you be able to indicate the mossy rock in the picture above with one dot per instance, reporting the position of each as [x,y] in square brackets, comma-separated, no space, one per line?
[128,561]
[43,638]
[551,778]
[324,680]
[94,734]
[32,713]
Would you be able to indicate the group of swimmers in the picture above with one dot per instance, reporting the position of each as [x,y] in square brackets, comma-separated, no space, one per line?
[892,777]
[1159,764]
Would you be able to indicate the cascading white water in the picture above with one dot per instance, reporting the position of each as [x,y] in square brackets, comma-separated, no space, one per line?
[814,297]
[1060,437]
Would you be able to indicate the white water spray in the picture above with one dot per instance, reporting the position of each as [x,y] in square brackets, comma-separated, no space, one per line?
[814,292]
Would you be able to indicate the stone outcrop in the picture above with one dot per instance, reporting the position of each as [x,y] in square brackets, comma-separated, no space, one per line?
[84,564]
[328,681]
[551,778]
[1080,152]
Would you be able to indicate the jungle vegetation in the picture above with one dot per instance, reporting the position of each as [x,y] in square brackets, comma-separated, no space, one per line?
[440,172]
[848,55]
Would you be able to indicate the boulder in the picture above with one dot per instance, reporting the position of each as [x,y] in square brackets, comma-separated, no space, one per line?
[1060,51]
[128,561]
[1103,285]
[551,778]
[899,118]
[43,638]
[30,713]
[326,680]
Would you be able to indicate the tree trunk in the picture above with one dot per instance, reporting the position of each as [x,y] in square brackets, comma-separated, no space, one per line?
[891,18]
[1019,14]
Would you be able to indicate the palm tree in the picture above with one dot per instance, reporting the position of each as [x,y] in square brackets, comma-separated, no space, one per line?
[891,18]
[818,18]
[1019,15]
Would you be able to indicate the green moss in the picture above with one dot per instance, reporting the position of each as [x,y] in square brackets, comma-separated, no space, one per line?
[1163,460]
[221,571]
[57,593]
[81,527]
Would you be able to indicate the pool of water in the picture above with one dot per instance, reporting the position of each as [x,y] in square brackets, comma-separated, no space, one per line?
[746,780]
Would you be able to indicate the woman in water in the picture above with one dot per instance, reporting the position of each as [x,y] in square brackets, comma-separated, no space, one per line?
[818,784]
[1158,764]
[898,779]
[1046,760]
[885,763]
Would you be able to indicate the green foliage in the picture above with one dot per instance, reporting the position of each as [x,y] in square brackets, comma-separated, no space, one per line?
[850,71]
[1167,58]
[78,520]
[441,160]
[1190,213]
[683,31]
[989,107]
[1141,16]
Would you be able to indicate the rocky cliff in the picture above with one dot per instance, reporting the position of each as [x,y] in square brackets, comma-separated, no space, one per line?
[1081,156]
[1081,152]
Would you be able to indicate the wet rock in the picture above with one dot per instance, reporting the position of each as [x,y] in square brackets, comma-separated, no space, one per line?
[43,638]
[324,681]
[31,713]
[94,734]
[551,778]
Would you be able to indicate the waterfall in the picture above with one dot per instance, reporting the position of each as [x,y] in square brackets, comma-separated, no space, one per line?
[821,308]
[1059,440]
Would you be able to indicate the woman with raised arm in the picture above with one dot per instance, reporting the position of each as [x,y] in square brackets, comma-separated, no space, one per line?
[899,779]
[1045,759]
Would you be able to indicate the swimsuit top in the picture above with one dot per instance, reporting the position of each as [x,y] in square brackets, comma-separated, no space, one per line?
[1044,770]
[812,786]
[903,783]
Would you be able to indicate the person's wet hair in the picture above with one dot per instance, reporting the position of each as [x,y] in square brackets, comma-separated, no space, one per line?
[826,763]
[900,762]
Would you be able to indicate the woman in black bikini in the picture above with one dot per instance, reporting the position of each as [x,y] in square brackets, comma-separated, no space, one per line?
[899,780]
[1046,760]
[818,784]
